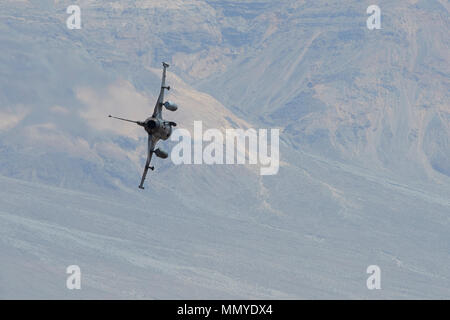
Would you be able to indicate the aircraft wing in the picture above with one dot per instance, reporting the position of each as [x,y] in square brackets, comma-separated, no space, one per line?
[151,146]
[160,101]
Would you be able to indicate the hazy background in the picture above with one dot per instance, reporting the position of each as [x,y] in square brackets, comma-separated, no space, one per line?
[364,120]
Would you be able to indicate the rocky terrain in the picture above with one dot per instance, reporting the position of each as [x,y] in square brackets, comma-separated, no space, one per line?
[364,179]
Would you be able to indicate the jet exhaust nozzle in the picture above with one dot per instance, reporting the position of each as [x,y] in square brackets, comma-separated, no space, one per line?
[169,105]
[161,153]
[152,124]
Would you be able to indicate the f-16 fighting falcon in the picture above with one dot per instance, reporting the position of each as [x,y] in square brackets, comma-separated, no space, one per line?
[156,127]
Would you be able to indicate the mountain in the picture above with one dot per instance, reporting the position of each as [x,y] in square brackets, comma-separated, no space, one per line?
[364,150]
[378,97]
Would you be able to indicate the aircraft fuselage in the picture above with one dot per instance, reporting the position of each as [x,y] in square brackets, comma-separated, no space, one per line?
[158,128]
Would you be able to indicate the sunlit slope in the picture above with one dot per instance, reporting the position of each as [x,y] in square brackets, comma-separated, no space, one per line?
[176,241]
[57,92]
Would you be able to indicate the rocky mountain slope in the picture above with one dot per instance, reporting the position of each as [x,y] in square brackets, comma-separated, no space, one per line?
[364,149]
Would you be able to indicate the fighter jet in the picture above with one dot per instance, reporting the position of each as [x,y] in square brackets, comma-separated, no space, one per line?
[156,127]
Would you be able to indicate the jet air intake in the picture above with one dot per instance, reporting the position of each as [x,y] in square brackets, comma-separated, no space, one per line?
[170,106]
